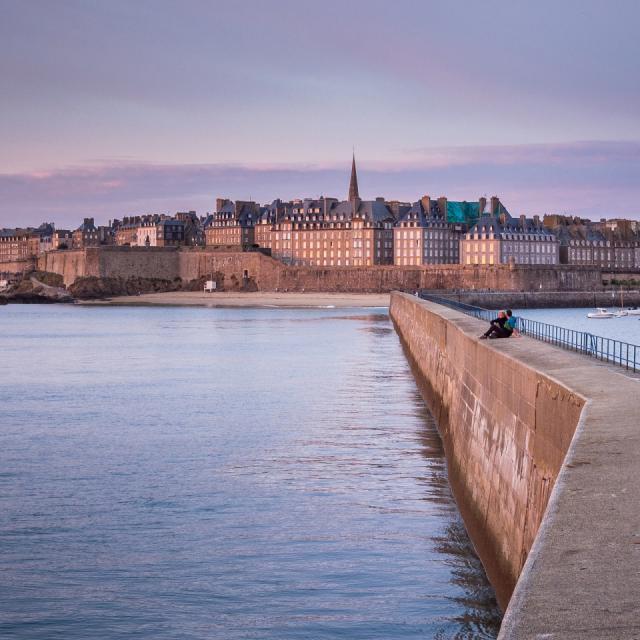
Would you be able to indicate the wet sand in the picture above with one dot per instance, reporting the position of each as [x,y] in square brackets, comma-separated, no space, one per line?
[257,299]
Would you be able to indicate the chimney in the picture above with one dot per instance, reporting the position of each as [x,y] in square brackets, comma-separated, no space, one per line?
[442,207]
[536,221]
[220,202]
[495,205]
[523,221]
[482,205]
[426,204]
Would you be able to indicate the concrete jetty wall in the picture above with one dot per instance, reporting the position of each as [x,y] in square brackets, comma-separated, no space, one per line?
[553,515]
[506,427]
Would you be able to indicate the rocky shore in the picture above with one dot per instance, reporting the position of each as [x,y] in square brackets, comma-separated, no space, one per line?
[37,288]
[42,287]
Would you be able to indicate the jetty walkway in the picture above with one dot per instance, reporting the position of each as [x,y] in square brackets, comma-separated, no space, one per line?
[543,445]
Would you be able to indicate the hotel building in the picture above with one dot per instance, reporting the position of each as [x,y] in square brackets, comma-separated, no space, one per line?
[327,232]
[232,224]
[429,231]
[501,239]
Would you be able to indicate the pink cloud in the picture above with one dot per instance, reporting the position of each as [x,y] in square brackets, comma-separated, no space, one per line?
[597,179]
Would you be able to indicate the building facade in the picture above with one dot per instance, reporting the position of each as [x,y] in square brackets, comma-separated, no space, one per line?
[607,244]
[501,239]
[429,232]
[86,235]
[326,232]
[17,244]
[232,224]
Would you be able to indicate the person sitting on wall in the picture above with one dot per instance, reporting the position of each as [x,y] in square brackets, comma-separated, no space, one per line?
[504,326]
[510,325]
[497,327]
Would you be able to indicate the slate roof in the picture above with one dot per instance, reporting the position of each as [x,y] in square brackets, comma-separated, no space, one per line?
[492,224]
[170,223]
[87,225]
[374,211]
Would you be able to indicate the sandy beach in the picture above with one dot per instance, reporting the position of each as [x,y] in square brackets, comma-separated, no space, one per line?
[256,299]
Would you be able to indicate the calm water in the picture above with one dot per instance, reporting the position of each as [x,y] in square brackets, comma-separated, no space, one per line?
[626,328]
[240,473]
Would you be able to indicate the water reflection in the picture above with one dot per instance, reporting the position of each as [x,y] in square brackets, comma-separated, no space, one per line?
[480,616]
[225,473]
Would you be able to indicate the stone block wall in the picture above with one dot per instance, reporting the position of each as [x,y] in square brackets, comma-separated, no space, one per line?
[17,266]
[268,274]
[71,265]
[506,429]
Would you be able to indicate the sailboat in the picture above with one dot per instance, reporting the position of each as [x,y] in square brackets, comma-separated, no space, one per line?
[623,312]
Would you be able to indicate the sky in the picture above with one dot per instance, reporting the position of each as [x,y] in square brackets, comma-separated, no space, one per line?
[111,108]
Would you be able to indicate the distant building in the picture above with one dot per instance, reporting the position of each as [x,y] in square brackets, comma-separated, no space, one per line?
[232,224]
[429,232]
[328,232]
[193,231]
[170,233]
[270,216]
[497,238]
[44,234]
[61,239]
[86,235]
[18,244]
[608,244]
[126,231]
[106,235]
[151,231]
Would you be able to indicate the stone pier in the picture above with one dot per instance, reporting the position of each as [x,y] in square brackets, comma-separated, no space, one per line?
[543,448]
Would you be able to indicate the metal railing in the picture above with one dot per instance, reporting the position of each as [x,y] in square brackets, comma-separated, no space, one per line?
[607,349]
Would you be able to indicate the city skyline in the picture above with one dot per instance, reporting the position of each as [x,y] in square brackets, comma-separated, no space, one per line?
[119,109]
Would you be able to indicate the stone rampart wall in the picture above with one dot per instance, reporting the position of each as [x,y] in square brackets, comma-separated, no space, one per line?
[17,266]
[147,262]
[71,265]
[268,274]
[506,430]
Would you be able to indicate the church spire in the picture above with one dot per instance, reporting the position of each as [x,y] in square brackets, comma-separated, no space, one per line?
[353,185]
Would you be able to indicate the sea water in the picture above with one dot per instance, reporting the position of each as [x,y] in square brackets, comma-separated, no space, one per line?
[625,328]
[224,473]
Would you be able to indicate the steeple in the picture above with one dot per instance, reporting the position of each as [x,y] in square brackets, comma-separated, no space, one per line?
[353,185]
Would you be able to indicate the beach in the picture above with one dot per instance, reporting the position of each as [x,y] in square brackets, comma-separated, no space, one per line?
[252,299]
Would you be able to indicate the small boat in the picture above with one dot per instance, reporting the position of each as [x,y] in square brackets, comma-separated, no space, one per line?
[622,312]
[633,311]
[600,312]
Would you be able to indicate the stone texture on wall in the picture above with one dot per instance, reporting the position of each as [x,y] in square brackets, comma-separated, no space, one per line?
[71,265]
[268,274]
[506,429]
[18,266]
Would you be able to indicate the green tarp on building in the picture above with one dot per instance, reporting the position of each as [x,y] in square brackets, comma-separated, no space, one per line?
[463,212]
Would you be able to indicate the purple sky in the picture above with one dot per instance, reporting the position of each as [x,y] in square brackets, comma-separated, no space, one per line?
[117,108]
